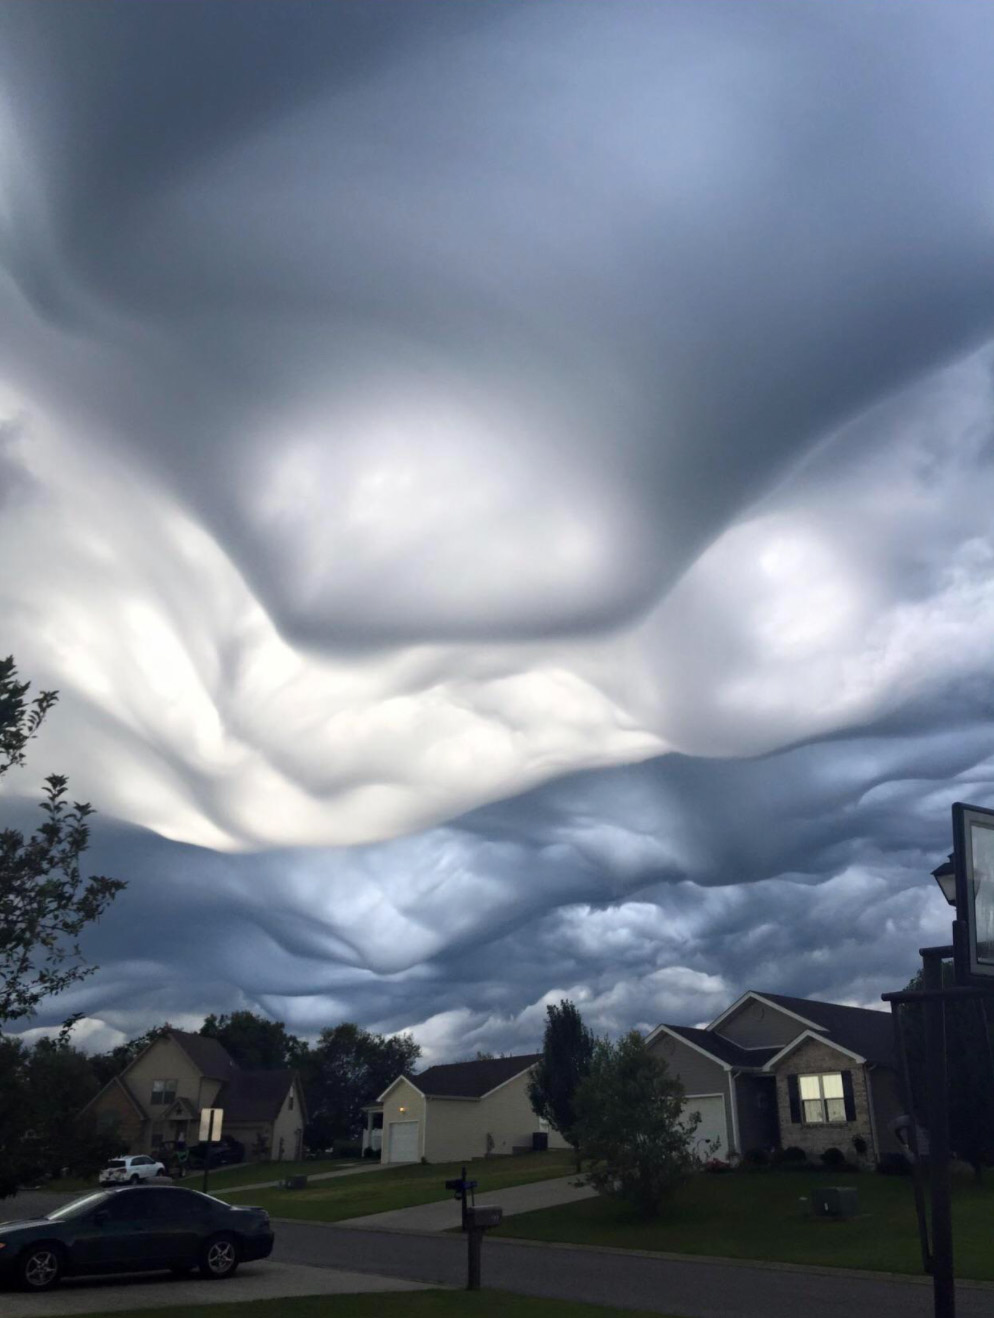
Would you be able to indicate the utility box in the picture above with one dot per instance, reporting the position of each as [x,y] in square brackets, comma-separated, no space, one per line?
[835,1201]
[295,1183]
[483,1218]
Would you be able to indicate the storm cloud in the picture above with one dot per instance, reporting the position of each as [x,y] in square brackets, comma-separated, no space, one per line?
[503,491]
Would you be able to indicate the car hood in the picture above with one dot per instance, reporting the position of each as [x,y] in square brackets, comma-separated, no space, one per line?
[22,1224]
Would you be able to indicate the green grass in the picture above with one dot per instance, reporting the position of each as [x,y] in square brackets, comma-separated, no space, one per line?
[402,1304]
[405,1187]
[758,1216]
[223,1178]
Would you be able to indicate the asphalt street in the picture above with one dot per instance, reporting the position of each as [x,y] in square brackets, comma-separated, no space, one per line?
[689,1288]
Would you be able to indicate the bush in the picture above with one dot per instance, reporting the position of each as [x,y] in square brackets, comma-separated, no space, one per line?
[894,1164]
[755,1159]
[716,1166]
[834,1158]
[790,1157]
[370,1153]
[860,1145]
[348,1149]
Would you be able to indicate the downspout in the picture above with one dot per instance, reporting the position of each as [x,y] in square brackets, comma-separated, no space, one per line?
[867,1068]
[735,1112]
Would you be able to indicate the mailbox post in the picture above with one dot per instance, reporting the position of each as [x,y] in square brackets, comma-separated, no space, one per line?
[463,1189]
[478,1220]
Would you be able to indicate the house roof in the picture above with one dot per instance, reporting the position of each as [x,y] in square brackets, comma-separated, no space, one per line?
[254,1095]
[471,1079]
[722,1049]
[859,1029]
[208,1055]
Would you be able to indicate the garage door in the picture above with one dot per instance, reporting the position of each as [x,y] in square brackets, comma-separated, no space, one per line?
[403,1141]
[711,1126]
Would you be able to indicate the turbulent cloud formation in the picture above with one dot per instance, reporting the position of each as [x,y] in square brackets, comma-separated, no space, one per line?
[503,491]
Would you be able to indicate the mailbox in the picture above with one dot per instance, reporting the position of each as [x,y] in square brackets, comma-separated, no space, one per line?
[483,1218]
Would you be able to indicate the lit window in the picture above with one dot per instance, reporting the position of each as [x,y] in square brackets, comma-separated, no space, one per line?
[822,1099]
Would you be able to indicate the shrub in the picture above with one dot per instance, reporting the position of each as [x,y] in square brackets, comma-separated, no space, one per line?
[716,1166]
[370,1153]
[894,1164]
[755,1159]
[860,1145]
[833,1158]
[790,1157]
[348,1149]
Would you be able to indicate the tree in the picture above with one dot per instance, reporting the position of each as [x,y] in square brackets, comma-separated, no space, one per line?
[567,1050]
[634,1139]
[45,902]
[256,1043]
[970,1070]
[347,1068]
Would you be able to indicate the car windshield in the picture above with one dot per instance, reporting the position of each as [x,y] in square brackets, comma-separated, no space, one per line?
[79,1207]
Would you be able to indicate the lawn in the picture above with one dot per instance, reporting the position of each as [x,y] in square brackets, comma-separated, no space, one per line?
[404,1304]
[404,1187]
[759,1216]
[224,1178]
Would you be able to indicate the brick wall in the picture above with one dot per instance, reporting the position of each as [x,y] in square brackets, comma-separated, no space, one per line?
[816,1058]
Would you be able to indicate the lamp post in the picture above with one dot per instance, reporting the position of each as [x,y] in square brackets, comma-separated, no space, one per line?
[967,882]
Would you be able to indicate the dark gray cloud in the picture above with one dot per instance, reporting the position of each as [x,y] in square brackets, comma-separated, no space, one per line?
[509,492]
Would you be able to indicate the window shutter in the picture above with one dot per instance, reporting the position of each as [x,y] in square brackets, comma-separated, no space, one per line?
[847,1096]
[794,1097]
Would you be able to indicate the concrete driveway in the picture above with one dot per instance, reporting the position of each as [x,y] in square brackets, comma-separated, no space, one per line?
[446,1214]
[253,1281]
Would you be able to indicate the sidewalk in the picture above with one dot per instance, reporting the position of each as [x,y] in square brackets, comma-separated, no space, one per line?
[446,1214]
[370,1166]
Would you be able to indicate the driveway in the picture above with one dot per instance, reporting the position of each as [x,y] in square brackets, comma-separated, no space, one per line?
[254,1281]
[692,1288]
[445,1215]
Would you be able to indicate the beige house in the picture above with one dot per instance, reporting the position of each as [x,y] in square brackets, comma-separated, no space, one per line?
[773,1072]
[157,1099]
[462,1110]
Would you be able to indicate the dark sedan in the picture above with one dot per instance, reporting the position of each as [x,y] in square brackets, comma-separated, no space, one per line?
[138,1229]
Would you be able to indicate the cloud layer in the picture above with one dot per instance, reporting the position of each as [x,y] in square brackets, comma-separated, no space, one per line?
[504,496]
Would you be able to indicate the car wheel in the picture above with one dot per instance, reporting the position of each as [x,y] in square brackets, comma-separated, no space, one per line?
[161,1171]
[134,1178]
[219,1257]
[40,1267]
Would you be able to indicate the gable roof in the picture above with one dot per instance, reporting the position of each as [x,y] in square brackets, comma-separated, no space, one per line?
[818,1037]
[768,1000]
[471,1079]
[118,1082]
[254,1095]
[720,1048]
[858,1029]
[209,1056]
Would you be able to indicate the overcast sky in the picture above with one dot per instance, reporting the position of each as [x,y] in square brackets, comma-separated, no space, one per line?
[504,490]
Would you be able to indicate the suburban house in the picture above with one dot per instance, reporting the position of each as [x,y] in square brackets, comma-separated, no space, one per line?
[157,1099]
[774,1072]
[461,1110]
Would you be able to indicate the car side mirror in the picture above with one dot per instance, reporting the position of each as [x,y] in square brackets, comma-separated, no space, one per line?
[101,1216]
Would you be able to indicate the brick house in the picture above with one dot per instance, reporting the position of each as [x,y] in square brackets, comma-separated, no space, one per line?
[157,1099]
[773,1072]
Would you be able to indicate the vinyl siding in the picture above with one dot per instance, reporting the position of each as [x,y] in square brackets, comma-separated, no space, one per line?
[406,1096]
[698,1075]
[458,1128]
[288,1127]
[755,1025]
[165,1060]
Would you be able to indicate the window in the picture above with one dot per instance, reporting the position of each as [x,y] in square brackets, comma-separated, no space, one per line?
[163,1092]
[822,1098]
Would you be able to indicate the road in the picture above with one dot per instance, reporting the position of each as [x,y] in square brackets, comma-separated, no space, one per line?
[686,1287]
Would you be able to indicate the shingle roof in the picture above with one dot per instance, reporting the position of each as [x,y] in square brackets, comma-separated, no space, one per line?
[254,1095]
[471,1079]
[209,1055]
[860,1029]
[723,1049]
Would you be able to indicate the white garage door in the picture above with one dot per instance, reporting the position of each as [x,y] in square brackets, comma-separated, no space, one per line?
[711,1126]
[403,1144]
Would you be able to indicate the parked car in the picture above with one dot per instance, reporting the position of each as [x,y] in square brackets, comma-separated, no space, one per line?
[131,1170]
[221,1153]
[140,1229]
